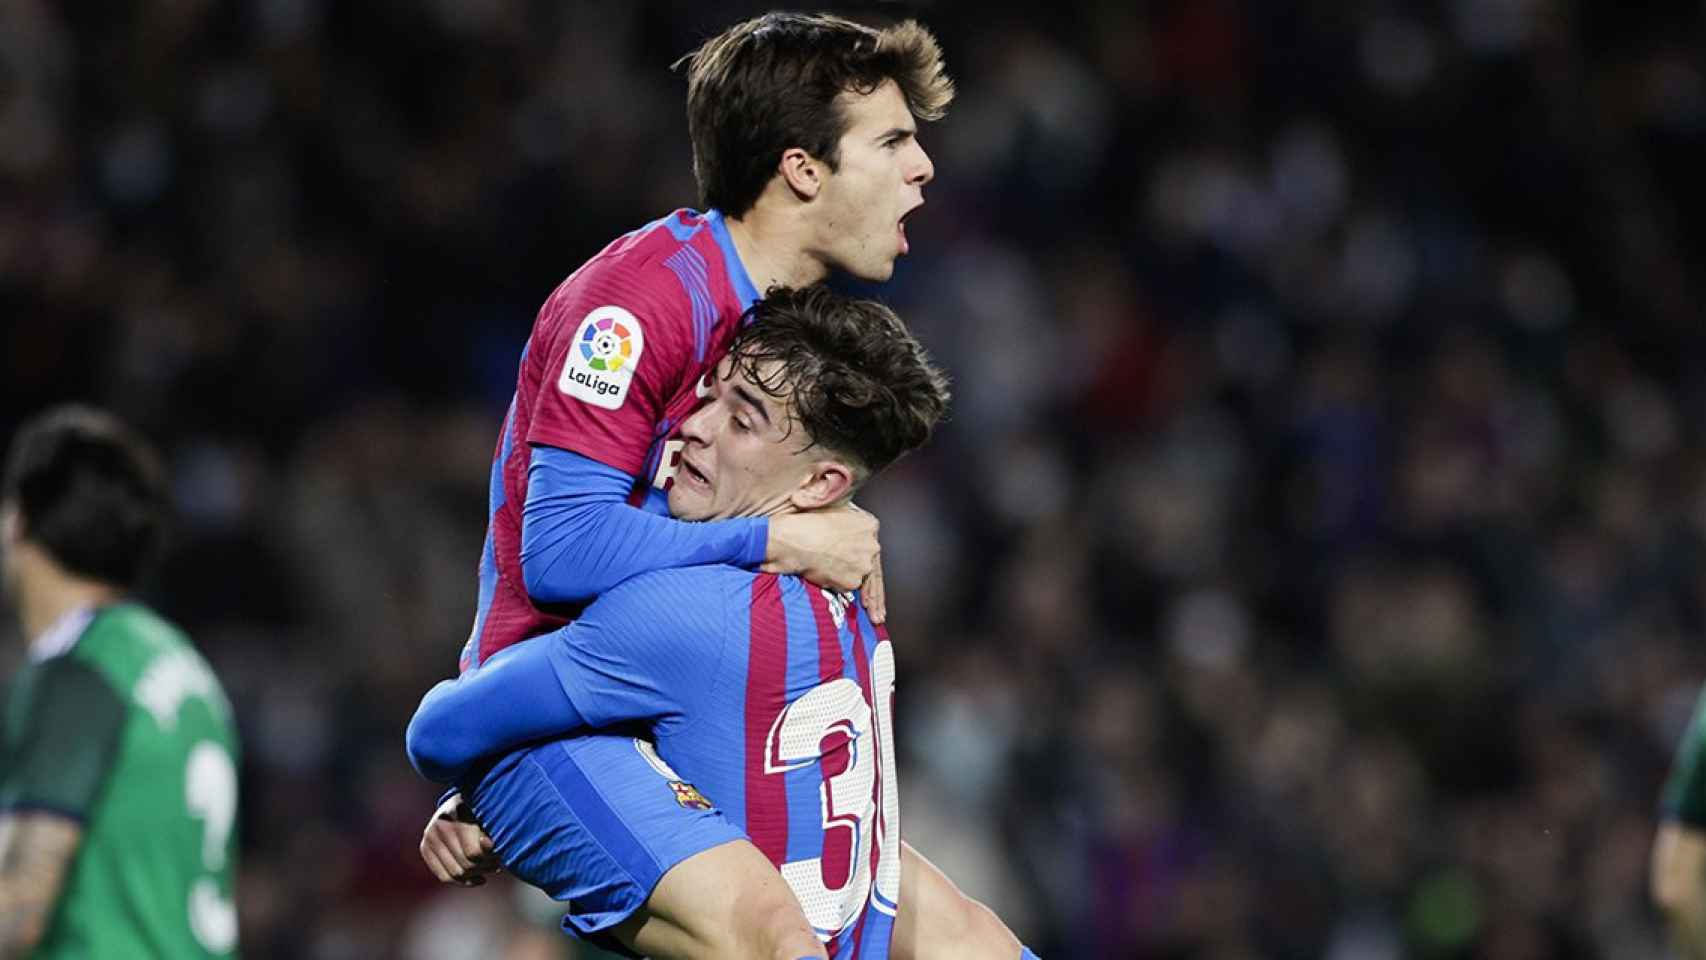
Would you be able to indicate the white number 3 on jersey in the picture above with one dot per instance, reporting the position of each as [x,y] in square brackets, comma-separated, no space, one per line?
[860,803]
[210,794]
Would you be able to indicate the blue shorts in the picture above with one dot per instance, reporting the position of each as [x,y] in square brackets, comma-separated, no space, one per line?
[594,821]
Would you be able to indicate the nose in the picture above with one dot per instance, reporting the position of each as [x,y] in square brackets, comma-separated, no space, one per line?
[922,170]
[701,424]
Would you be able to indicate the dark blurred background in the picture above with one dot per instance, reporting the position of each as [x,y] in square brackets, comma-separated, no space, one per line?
[1313,564]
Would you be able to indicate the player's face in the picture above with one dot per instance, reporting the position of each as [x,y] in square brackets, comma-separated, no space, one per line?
[742,456]
[880,179]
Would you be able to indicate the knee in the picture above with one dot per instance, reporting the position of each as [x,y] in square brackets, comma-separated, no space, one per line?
[961,925]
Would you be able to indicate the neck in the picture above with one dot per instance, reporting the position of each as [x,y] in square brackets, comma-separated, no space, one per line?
[772,247]
[51,593]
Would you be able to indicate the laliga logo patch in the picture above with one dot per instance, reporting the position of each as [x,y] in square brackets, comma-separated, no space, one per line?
[601,360]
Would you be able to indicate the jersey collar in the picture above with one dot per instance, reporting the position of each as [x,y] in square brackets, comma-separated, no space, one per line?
[744,289]
[62,634]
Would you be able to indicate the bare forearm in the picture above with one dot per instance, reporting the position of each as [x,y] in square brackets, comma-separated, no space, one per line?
[35,852]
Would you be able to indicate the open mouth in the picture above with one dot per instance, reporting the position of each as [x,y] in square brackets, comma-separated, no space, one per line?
[900,229]
[695,474]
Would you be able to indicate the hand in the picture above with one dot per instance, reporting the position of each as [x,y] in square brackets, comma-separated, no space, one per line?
[454,846]
[872,593]
[835,547]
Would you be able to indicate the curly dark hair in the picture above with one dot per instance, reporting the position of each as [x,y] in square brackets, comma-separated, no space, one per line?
[848,371]
[773,82]
[90,491]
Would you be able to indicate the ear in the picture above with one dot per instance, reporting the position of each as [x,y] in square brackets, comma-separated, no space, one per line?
[11,523]
[830,482]
[801,172]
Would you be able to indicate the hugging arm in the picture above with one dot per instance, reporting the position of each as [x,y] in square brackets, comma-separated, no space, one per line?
[644,650]
[514,699]
[579,536]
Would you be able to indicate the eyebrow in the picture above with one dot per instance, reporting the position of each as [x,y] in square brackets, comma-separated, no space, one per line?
[745,394]
[902,132]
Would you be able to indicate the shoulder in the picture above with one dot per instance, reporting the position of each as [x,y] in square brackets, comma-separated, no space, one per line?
[147,658]
[677,617]
[693,599]
[639,290]
[677,586]
[118,641]
[67,687]
[129,633]
[64,675]
[640,272]
[137,623]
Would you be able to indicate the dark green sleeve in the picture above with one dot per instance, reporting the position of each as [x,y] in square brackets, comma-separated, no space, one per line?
[71,720]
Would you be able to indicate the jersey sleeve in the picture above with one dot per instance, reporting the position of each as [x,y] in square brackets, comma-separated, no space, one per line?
[509,700]
[59,761]
[618,349]
[1684,796]
[579,536]
[651,647]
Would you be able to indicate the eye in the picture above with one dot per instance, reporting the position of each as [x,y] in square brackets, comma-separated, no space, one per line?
[743,425]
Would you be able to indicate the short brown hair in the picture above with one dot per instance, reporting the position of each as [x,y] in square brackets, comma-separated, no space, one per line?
[851,374]
[771,83]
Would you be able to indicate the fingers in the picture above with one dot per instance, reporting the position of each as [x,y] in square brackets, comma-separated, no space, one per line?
[442,861]
[467,848]
[834,548]
[429,855]
[872,593]
[457,816]
[863,560]
[455,848]
[476,846]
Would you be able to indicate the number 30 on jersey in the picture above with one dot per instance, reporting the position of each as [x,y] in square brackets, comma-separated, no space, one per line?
[860,802]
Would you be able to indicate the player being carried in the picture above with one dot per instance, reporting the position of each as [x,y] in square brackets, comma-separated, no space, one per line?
[804,144]
[771,695]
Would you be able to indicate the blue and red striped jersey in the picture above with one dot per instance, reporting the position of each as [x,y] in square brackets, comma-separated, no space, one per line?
[774,698]
[614,363]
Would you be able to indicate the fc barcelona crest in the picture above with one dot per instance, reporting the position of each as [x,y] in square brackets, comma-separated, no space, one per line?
[689,796]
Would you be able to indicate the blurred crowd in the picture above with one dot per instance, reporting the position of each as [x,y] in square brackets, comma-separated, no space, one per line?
[1314,564]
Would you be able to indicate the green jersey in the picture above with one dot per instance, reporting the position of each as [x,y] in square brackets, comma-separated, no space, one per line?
[118,722]
[1684,796]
